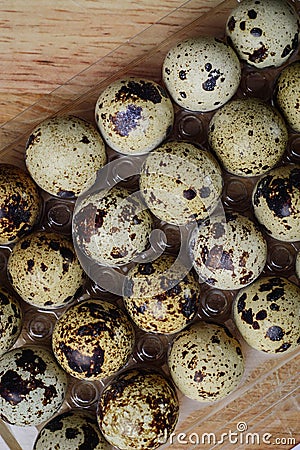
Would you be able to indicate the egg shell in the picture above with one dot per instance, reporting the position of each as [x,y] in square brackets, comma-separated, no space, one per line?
[276,202]
[248,136]
[71,430]
[267,314]
[44,270]
[287,94]
[264,33]
[163,295]
[181,182]
[32,386]
[206,362]
[138,409]
[111,226]
[11,320]
[201,74]
[93,340]
[63,155]
[19,203]
[297,265]
[134,115]
[228,252]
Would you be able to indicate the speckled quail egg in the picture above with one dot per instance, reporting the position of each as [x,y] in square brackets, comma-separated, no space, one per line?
[248,136]
[206,362]
[297,268]
[93,339]
[32,386]
[202,73]
[138,410]
[287,94]
[228,253]
[276,202]
[162,296]
[134,115]
[44,270]
[112,226]
[63,155]
[180,182]
[70,431]
[264,33]
[267,314]
[11,319]
[19,203]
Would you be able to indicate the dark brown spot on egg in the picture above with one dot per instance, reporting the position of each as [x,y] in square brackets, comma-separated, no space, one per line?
[275,294]
[85,140]
[56,424]
[283,348]
[182,74]
[255,325]
[146,269]
[258,55]
[211,82]
[275,333]
[286,51]
[205,192]
[91,438]
[199,376]
[89,365]
[189,194]
[44,268]
[67,254]
[252,14]
[274,307]
[241,304]
[261,315]
[256,32]
[238,351]
[139,90]
[247,316]
[54,245]
[182,94]
[246,278]
[71,433]
[243,25]
[30,265]
[231,24]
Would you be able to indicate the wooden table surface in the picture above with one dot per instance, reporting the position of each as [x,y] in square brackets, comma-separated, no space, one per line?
[43,44]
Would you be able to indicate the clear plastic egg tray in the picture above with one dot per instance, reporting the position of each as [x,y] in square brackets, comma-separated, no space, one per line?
[269,393]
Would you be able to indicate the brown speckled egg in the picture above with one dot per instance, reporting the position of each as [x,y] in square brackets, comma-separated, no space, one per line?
[201,73]
[111,226]
[93,340]
[264,33]
[19,203]
[138,410]
[267,314]
[297,268]
[134,115]
[206,362]
[63,155]
[228,254]
[32,386]
[44,270]
[276,202]
[248,136]
[163,295]
[287,94]
[10,320]
[181,182]
[71,430]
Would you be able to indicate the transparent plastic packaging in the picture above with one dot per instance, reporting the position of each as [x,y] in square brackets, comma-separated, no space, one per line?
[269,392]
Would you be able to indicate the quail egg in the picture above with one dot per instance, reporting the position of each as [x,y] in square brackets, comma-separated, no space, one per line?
[70,431]
[276,202]
[267,314]
[163,295]
[180,182]
[287,94]
[92,339]
[138,410]
[228,253]
[10,320]
[248,136]
[298,265]
[44,270]
[32,386]
[206,362]
[201,74]
[112,226]
[134,115]
[264,33]
[63,155]
[19,203]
